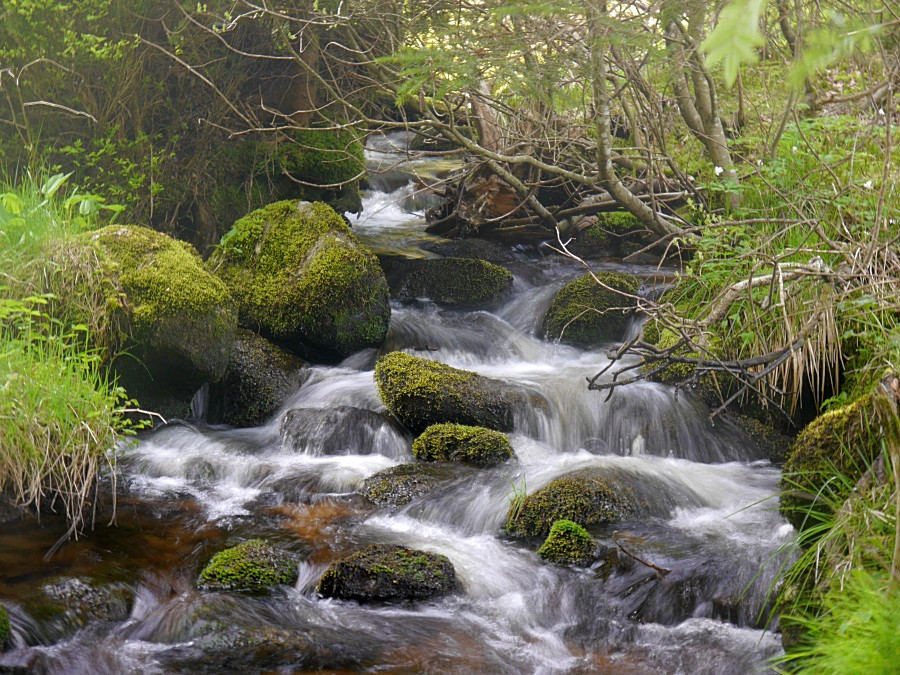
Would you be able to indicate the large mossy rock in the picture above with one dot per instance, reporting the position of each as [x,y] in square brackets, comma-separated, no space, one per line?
[453,282]
[613,233]
[841,442]
[420,392]
[251,566]
[260,376]
[567,543]
[586,314]
[399,485]
[172,319]
[384,572]
[584,497]
[301,278]
[460,443]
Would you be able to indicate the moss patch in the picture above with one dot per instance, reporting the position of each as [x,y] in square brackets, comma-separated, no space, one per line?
[461,443]
[381,572]
[399,485]
[839,442]
[302,278]
[585,314]
[251,566]
[455,282]
[420,393]
[567,544]
[606,235]
[582,497]
[5,627]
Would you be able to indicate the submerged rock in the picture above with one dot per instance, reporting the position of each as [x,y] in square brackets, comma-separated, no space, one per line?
[259,378]
[567,543]
[251,566]
[461,443]
[586,314]
[340,430]
[585,497]
[152,301]
[399,485]
[420,392]
[453,282]
[383,572]
[302,278]
[64,605]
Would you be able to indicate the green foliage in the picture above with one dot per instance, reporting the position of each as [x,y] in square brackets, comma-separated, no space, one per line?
[736,37]
[251,566]
[567,543]
[461,443]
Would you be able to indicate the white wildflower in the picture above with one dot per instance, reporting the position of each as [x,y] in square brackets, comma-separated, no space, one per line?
[868,185]
[719,170]
[794,149]
[881,111]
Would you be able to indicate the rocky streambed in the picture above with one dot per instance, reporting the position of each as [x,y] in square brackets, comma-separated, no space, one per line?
[451,500]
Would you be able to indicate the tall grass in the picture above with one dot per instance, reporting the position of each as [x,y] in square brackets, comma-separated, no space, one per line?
[59,414]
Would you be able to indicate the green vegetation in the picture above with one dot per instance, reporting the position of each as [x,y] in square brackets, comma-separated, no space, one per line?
[587,313]
[60,415]
[301,277]
[582,497]
[420,392]
[455,282]
[5,628]
[460,443]
[567,543]
[251,566]
[380,572]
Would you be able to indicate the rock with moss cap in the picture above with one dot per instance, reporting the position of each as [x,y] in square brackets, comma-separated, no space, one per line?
[453,282]
[583,496]
[260,376]
[586,314]
[382,572]
[399,485]
[568,543]
[420,392]
[461,443]
[251,566]
[613,233]
[158,304]
[840,442]
[301,278]
[5,628]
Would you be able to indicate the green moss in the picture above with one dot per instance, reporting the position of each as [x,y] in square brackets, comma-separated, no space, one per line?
[455,282]
[582,497]
[568,544]
[383,572]
[420,392]
[322,156]
[301,277]
[251,566]
[605,235]
[837,443]
[5,627]
[586,314]
[461,443]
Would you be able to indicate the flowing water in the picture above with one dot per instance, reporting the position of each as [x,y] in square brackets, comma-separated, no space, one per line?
[188,490]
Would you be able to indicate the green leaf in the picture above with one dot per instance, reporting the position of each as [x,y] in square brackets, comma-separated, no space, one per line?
[52,184]
[735,38]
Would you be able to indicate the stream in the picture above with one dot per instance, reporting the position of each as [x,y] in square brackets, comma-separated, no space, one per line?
[189,489]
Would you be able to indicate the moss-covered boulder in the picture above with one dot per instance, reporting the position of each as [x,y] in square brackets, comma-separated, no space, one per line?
[301,278]
[63,605]
[399,485]
[584,497]
[251,566]
[453,282]
[461,443]
[148,296]
[567,543]
[841,442]
[587,314]
[613,233]
[260,376]
[5,628]
[383,572]
[420,392]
